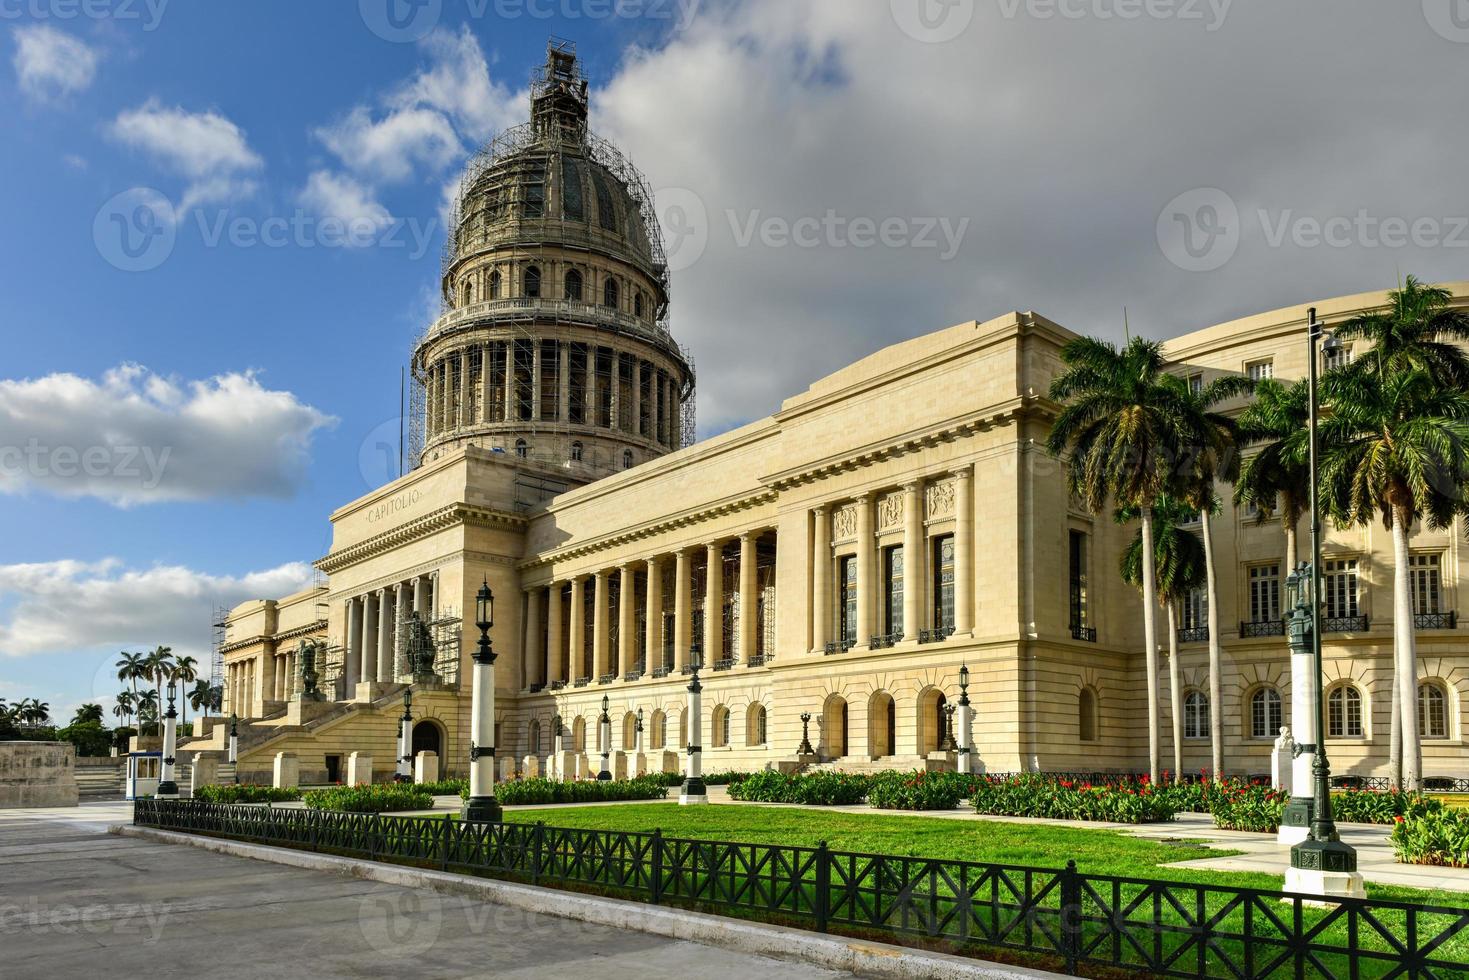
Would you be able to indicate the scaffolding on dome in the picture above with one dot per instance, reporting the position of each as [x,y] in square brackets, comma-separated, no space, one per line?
[504,163]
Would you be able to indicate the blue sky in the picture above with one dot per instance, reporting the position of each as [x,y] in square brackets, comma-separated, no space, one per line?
[1024,159]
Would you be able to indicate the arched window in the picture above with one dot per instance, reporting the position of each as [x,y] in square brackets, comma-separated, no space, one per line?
[521,449]
[609,293]
[1433,711]
[755,725]
[576,452]
[579,735]
[468,293]
[1087,714]
[1265,713]
[495,284]
[1195,715]
[606,217]
[1344,712]
[571,200]
[534,739]
[720,727]
[533,281]
[658,731]
[627,459]
[573,285]
[637,303]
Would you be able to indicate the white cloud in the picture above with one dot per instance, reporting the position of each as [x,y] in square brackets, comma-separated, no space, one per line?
[76,607]
[206,148]
[393,147]
[457,83]
[339,196]
[136,437]
[50,64]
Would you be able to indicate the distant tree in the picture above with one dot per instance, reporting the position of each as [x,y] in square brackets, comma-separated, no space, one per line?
[88,713]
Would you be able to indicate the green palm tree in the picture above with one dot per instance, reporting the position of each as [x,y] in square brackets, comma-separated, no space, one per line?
[1215,460]
[184,671]
[126,703]
[131,668]
[159,664]
[1277,478]
[202,696]
[87,714]
[1397,448]
[35,712]
[1179,562]
[147,708]
[1419,329]
[1122,425]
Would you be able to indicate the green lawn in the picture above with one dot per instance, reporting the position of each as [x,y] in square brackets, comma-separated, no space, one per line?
[990,842]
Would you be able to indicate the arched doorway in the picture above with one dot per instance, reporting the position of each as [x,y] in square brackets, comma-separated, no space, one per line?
[834,727]
[579,735]
[428,737]
[931,720]
[882,725]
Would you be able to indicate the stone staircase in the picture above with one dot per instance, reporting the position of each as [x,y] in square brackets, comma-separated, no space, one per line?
[103,781]
[867,766]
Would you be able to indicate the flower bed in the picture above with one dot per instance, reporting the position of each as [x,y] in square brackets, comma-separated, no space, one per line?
[1426,836]
[1369,806]
[379,798]
[812,789]
[541,791]
[444,787]
[245,793]
[1039,795]
[920,790]
[1248,807]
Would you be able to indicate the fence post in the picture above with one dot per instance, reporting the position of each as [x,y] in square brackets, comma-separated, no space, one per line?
[657,865]
[313,817]
[538,845]
[823,886]
[444,843]
[1071,916]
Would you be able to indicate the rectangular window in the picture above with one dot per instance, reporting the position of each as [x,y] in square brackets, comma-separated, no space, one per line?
[1423,577]
[1196,384]
[1076,579]
[847,600]
[892,575]
[943,584]
[1264,593]
[1336,357]
[670,636]
[1340,585]
[1260,370]
[1196,609]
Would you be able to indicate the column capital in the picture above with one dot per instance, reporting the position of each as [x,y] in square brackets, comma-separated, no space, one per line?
[653,561]
[964,472]
[821,510]
[600,575]
[751,535]
[913,486]
[380,592]
[864,497]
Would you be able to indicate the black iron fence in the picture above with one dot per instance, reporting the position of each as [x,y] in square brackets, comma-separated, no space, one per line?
[1070,920]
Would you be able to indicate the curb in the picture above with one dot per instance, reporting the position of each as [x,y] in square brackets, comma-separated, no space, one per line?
[858,956]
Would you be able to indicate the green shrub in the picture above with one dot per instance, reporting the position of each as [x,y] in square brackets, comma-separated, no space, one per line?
[1365,806]
[444,787]
[811,789]
[920,790]
[538,792]
[1250,807]
[1040,795]
[245,793]
[1427,836]
[89,737]
[727,777]
[379,798]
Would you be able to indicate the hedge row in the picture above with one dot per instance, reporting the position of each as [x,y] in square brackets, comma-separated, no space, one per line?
[245,793]
[1428,836]
[378,798]
[542,791]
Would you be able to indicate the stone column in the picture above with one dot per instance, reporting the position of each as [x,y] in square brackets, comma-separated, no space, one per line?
[913,559]
[434,599]
[385,671]
[821,579]
[402,602]
[653,616]
[510,380]
[533,662]
[486,372]
[627,628]
[577,634]
[614,415]
[600,662]
[592,411]
[553,634]
[713,603]
[749,599]
[267,678]
[964,551]
[370,604]
[535,380]
[354,639]
[563,379]
[637,396]
[866,571]
[461,390]
[683,604]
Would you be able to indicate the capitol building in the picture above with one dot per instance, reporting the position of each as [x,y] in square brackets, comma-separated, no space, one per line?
[842,558]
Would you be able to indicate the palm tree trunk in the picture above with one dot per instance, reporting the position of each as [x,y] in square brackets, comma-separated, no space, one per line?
[1150,640]
[1216,686]
[1405,648]
[1395,731]
[1175,692]
[1290,545]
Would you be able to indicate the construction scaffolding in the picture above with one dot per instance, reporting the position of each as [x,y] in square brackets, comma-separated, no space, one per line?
[217,624]
[506,183]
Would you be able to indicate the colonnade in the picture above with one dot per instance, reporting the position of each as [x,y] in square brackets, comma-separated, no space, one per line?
[374,647]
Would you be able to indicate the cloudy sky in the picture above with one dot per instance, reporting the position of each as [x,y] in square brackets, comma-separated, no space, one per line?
[224,221]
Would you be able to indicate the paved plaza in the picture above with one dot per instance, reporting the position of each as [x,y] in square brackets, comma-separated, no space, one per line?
[76,901]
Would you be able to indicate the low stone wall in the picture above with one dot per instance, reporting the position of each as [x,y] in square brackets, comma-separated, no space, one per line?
[34,774]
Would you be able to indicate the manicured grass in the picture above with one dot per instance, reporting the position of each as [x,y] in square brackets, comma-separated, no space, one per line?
[1095,851]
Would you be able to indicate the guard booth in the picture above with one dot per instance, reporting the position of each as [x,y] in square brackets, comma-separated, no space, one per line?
[143,770]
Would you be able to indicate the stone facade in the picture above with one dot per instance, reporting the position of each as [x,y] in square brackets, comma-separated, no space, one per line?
[37,774]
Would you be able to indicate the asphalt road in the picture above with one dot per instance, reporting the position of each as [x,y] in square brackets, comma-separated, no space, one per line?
[75,902]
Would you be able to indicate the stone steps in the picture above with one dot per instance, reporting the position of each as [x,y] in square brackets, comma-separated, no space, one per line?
[865,766]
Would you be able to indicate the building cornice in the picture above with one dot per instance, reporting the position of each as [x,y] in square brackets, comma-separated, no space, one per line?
[442,519]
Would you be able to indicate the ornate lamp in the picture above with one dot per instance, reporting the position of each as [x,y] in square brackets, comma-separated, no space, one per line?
[482,807]
[605,725]
[805,747]
[167,788]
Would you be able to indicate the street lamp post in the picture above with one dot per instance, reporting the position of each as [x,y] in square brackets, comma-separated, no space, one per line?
[965,713]
[693,791]
[235,745]
[481,807]
[604,726]
[637,734]
[805,746]
[167,788]
[947,744]
[1322,864]
[404,772]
